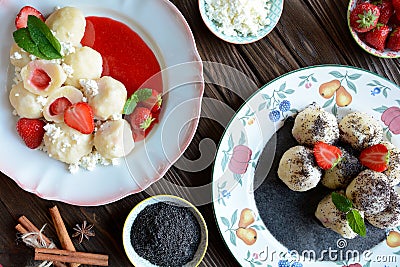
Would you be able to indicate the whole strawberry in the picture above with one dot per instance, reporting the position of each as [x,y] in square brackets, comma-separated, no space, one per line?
[394,40]
[364,17]
[140,120]
[31,131]
[386,10]
[396,6]
[377,37]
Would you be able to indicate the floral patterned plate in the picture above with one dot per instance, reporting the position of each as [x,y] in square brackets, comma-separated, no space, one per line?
[252,127]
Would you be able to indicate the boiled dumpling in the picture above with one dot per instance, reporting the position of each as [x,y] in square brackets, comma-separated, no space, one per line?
[109,99]
[315,124]
[114,139]
[41,77]
[86,62]
[68,24]
[18,57]
[333,218]
[298,170]
[73,94]
[360,130]
[24,102]
[66,144]
[369,191]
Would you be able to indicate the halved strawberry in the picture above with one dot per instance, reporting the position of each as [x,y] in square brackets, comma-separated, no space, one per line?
[31,131]
[375,157]
[364,17]
[140,120]
[59,106]
[377,37]
[79,116]
[21,21]
[327,156]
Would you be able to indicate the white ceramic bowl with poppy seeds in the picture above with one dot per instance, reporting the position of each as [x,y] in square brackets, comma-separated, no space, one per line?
[165,230]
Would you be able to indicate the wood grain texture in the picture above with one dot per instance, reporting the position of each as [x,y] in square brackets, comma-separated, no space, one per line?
[310,32]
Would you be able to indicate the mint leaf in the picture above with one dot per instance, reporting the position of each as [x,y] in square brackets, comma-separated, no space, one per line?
[356,222]
[138,96]
[130,104]
[143,94]
[341,202]
[43,38]
[23,39]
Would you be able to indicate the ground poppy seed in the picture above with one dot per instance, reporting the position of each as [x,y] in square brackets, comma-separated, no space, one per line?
[166,234]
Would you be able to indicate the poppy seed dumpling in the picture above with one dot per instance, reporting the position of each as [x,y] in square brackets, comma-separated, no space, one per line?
[314,124]
[343,173]
[369,191]
[393,170]
[360,130]
[333,218]
[389,217]
[298,170]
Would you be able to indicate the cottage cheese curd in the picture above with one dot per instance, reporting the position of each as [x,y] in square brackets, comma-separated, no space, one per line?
[239,17]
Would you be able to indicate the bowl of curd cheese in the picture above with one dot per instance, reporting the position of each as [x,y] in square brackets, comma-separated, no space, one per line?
[241,21]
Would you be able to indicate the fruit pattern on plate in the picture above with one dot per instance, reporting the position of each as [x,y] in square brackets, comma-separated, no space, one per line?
[233,189]
[66,107]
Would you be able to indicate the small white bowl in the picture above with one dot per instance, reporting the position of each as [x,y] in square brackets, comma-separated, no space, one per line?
[135,259]
[274,16]
[383,54]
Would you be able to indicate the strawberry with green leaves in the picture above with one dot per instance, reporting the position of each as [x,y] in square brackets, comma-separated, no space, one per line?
[375,157]
[364,17]
[394,40]
[31,131]
[377,37]
[153,102]
[140,120]
[326,156]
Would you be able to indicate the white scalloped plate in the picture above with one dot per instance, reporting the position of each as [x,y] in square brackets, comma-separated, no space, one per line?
[253,126]
[167,33]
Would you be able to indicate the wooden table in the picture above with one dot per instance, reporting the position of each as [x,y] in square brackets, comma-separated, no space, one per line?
[310,32]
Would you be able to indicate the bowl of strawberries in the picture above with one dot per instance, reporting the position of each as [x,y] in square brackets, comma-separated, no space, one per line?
[375,25]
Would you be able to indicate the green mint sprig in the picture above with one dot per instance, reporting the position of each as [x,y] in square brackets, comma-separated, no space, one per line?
[138,96]
[353,216]
[38,40]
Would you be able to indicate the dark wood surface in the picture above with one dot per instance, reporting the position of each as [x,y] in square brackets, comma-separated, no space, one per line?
[310,32]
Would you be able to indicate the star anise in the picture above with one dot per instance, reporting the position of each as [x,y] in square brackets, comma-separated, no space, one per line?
[83,231]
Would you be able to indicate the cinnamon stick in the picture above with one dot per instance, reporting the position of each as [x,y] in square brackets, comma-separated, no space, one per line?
[28,225]
[32,228]
[62,233]
[46,254]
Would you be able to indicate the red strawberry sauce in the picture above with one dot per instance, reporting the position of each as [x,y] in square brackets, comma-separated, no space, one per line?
[126,57]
